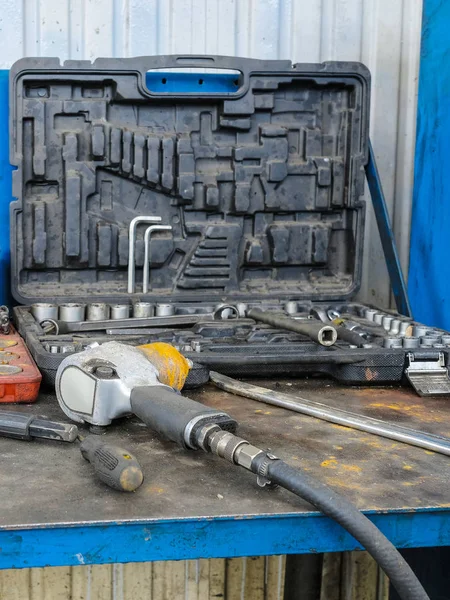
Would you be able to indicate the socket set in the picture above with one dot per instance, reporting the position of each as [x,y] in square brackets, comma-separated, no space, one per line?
[229,224]
[237,345]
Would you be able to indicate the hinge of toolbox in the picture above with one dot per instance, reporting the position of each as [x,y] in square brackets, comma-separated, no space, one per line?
[428,376]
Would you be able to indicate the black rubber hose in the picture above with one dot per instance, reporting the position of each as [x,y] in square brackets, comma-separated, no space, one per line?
[350,518]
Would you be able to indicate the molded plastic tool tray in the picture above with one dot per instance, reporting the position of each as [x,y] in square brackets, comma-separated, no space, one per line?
[262,186]
[260,179]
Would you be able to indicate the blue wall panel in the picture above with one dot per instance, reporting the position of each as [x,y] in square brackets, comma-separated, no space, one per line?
[429,272]
[5,189]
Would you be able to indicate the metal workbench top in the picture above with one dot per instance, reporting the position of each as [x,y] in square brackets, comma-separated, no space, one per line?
[192,505]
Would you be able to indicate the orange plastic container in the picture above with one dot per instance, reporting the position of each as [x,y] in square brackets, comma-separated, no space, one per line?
[19,376]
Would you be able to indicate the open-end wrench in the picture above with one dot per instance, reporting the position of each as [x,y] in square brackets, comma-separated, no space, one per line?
[131,248]
[148,233]
[53,327]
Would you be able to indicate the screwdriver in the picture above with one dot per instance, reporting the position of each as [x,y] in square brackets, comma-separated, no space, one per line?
[115,466]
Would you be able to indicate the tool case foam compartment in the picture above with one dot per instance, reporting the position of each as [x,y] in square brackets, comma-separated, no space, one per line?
[262,185]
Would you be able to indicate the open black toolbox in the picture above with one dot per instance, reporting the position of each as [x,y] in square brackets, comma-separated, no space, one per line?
[262,186]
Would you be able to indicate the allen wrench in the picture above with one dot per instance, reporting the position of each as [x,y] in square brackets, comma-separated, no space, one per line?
[146,270]
[131,248]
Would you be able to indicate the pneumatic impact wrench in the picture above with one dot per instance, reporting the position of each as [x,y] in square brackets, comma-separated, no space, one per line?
[109,381]
[112,380]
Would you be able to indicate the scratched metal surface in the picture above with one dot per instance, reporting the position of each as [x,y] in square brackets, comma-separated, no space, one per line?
[49,482]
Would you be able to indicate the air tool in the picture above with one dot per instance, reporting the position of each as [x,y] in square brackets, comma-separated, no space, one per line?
[112,380]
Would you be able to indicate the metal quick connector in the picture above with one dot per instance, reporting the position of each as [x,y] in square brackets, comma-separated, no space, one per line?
[231,447]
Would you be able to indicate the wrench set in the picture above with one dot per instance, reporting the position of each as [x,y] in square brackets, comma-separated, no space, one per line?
[229,225]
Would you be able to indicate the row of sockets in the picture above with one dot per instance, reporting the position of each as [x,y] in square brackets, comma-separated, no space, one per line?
[390,324]
[407,334]
[98,311]
[425,341]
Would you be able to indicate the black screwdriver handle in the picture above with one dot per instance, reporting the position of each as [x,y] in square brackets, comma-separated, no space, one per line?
[114,466]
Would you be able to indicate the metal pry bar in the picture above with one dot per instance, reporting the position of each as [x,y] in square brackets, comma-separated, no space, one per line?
[392,431]
[131,247]
[147,235]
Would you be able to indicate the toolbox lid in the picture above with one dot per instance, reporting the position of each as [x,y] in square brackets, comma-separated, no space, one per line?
[262,183]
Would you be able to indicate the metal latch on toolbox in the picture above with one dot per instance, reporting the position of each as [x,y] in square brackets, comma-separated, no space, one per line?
[428,375]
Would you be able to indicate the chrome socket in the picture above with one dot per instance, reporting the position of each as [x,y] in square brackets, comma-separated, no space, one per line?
[291,307]
[164,310]
[369,314]
[378,318]
[67,348]
[411,342]
[427,341]
[120,311]
[97,311]
[395,327]
[142,310]
[71,311]
[44,310]
[392,342]
[386,322]
[420,330]
[404,325]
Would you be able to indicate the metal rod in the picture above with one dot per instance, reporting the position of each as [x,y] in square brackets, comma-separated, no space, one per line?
[321,411]
[398,284]
[147,235]
[325,335]
[131,243]
[80,326]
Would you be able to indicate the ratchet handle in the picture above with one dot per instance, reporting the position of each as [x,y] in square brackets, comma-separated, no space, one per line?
[115,466]
[174,416]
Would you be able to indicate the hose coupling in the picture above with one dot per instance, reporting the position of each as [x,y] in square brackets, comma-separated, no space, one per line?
[232,448]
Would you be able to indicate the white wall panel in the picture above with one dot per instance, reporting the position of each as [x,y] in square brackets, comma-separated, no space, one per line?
[384,34]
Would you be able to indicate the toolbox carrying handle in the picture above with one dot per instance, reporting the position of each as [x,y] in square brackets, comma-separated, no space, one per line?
[245,67]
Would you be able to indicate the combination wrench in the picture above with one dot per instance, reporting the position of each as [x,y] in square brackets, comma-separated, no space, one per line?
[53,327]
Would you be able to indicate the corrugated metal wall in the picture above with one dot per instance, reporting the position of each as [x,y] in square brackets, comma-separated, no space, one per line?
[384,34]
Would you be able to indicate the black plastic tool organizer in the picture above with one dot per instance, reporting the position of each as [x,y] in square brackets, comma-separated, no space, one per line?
[262,186]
